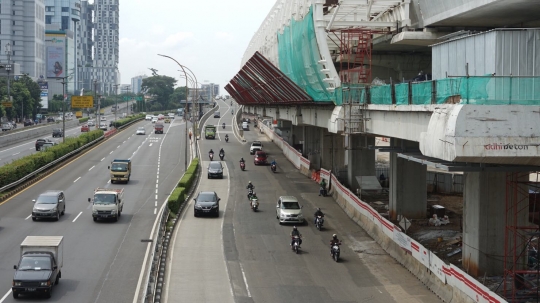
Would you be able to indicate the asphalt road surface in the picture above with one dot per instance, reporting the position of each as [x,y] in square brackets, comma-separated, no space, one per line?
[102,260]
[255,248]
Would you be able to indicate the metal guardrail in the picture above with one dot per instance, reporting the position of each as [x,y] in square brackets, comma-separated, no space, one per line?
[23,179]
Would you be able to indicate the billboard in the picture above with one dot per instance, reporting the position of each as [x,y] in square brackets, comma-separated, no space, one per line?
[44,86]
[55,61]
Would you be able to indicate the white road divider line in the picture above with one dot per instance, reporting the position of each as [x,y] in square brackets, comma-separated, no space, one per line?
[102,159]
[30,216]
[156,190]
[150,144]
[155,212]
[77,217]
[111,152]
[5,296]
[156,197]
[76,179]
[16,153]
[91,168]
[118,146]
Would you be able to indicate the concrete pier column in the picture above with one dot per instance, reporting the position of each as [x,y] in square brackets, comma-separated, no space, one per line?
[333,157]
[297,137]
[408,185]
[485,219]
[313,145]
[361,161]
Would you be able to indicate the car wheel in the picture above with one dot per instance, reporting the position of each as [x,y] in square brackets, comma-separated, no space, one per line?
[208,176]
[57,216]
[217,213]
[95,219]
[15,295]
[57,279]
[195,214]
[64,210]
[34,218]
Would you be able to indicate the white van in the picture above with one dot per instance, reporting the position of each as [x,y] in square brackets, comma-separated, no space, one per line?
[245,126]
[148,117]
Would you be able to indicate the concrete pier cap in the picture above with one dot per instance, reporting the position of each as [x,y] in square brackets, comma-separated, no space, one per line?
[497,134]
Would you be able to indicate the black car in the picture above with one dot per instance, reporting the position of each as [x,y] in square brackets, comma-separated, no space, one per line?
[28,122]
[39,143]
[57,132]
[206,203]
[50,119]
[215,170]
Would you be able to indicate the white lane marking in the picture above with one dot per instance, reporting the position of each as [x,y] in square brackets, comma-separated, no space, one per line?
[91,168]
[156,197]
[245,280]
[155,211]
[118,146]
[150,144]
[102,159]
[109,181]
[111,152]
[30,216]
[124,142]
[76,179]
[32,148]
[156,190]
[155,204]
[5,296]
[16,153]
[77,217]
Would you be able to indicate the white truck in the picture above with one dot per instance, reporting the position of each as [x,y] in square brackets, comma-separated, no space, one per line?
[107,203]
[40,266]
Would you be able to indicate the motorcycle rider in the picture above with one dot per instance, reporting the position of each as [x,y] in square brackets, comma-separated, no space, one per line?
[323,187]
[250,185]
[273,162]
[318,213]
[223,125]
[226,137]
[296,232]
[211,152]
[254,196]
[334,241]
[222,152]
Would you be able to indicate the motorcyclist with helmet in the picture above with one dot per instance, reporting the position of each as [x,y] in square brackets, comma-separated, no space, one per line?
[334,241]
[318,212]
[250,185]
[295,232]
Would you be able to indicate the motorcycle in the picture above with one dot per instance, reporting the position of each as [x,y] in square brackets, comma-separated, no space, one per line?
[243,165]
[254,204]
[319,221]
[226,139]
[223,125]
[273,167]
[211,155]
[250,193]
[221,156]
[335,251]
[323,191]
[296,244]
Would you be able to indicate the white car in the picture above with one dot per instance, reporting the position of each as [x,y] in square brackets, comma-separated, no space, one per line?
[255,146]
[154,119]
[91,123]
[103,126]
[288,210]
[148,117]
[103,118]
[141,131]
[171,115]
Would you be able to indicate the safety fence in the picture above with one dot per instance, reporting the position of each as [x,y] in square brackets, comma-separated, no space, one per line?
[448,281]
[480,90]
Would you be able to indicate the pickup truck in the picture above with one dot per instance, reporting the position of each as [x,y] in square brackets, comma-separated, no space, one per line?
[39,267]
[120,170]
[158,128]
[107,203]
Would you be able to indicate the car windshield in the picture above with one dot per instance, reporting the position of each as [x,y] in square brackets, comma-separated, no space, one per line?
[215,166]
[119,167]
[47,200]
[261,155]
[256,144]
[35,263]
[141,128]
[206,197]
[290,205]
[104,199]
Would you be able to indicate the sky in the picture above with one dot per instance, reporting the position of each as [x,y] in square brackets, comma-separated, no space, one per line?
[207,36]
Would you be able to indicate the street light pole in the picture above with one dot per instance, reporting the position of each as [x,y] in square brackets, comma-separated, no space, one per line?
[75,20]
[64,108]
[97,102]
[8,69]
[116,102]
[193,124]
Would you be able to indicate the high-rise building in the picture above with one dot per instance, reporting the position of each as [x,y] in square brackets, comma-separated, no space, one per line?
[23,27]
[84,47]
[106,45]
[209,91]
[136,83]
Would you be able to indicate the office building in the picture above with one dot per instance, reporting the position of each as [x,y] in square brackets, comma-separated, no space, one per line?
[209,91]
[136,83]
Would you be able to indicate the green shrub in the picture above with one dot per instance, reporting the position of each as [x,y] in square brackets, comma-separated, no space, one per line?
[186,181]
[82,120]
[176,199]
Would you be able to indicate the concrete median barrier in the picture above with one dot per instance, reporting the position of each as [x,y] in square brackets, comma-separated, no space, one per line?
[33,133]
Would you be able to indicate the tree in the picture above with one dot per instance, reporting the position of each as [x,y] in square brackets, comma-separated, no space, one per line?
[161,88]
[178,95]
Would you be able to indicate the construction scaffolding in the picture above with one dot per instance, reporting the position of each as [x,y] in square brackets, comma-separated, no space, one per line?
[356,46]
[522,237]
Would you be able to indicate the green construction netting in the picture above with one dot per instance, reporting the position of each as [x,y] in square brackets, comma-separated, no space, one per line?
[298,59]
[471,90]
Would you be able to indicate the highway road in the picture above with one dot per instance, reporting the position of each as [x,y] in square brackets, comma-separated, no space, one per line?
[21,149]
[244,256]
[102,260]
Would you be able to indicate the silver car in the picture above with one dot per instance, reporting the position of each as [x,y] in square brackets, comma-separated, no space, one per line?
[288,210]
[141,131]
[49,205]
